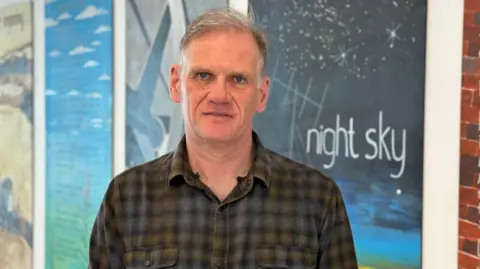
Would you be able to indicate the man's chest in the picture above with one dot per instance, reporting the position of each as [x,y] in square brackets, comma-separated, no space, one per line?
[188,229]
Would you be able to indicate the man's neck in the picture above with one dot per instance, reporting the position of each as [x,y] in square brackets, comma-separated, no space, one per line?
[218,162]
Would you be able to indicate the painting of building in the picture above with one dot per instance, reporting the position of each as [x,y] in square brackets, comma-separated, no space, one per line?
[16,135]
[154,124]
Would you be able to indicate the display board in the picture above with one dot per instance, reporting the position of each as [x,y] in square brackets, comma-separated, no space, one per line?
[346,97]
[78,70]
[16,134]
[154,124]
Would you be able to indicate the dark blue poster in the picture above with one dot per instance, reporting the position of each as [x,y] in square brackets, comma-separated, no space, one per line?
[346,97]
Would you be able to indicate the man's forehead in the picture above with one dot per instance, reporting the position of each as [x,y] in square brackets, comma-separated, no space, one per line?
[233,43]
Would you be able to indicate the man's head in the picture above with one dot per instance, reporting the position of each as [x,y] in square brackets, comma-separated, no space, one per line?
[220,81]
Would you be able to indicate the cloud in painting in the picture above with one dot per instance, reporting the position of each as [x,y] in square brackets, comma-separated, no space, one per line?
[104,77]
[103,29]
[54,53]
[90,12]
[73,93]
[64,16]
[50,92]
[80,50]
[90,63]
[96,43]
[95,95]
[50,22]
[96,123]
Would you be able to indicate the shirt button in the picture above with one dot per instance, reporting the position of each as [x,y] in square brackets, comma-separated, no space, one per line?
[147,263]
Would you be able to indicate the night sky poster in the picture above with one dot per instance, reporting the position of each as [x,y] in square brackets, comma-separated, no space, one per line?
[347,93]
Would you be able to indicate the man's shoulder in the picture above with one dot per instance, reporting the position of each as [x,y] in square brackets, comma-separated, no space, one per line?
[291,170]
[159,165]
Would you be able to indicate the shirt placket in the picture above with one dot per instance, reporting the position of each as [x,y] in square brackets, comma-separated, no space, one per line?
[221,226]
[220,237]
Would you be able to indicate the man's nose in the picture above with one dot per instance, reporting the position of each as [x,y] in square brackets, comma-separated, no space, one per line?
[219,91]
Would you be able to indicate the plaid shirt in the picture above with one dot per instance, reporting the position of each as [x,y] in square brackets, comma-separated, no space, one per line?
[282,215]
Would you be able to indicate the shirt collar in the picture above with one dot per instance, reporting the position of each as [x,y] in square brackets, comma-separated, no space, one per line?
[180,168]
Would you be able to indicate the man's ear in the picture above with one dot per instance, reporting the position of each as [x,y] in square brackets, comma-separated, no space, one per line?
[263,95]
[175,80]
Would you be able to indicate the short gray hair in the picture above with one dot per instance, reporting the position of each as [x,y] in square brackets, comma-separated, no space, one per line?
[221,19]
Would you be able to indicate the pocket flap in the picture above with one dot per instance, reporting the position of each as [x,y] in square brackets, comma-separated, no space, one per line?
[151,257]
[286,257]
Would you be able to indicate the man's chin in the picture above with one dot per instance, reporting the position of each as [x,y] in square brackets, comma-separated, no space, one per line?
[217,135]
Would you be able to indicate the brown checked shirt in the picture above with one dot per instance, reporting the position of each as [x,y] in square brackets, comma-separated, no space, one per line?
[282,215]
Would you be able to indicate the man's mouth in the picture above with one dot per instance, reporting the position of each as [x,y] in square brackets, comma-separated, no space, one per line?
[218,114]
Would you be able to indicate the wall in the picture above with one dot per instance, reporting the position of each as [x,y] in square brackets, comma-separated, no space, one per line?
[469,225]
[442,123]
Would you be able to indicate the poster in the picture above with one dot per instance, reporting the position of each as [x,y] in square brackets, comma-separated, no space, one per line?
[79,65]
[347,92]
[154,124]
[16,134]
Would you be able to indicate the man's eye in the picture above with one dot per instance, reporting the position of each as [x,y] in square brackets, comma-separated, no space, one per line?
[238,79]
[203,75]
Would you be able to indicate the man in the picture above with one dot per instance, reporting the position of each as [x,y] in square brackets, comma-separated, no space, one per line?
[222,200]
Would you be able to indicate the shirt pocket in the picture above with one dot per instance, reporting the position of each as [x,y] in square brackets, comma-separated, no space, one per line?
[291,257]
[151,257]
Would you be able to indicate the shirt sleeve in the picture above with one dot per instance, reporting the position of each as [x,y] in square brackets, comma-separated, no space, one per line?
[337,249]
[106,246]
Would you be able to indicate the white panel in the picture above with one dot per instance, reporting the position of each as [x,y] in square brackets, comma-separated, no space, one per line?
[442,134]
[240,5]
[39,135]
[119,90]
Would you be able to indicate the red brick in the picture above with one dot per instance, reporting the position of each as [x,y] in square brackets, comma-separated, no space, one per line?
[465,48]
[467,97]
[473,133]
[470,247]
[476,18]
[469,230]
[470,81]
[463,212]
[469,114]
[467,175]
[463,129]
[473,215]
[473,49]
[467,261]
[468,18]
[469,147]
[471,33]
[469,162]
[476,183]
[472,5]
[469,196]
[476,99]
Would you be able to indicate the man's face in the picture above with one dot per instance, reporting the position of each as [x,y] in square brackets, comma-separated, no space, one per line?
[220,85]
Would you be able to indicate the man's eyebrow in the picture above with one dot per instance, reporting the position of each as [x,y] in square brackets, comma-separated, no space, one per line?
[196,69]
[245,74]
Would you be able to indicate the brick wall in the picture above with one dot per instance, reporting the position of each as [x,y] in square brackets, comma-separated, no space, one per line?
[469,217]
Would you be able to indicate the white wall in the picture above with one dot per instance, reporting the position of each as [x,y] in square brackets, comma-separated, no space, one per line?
[39,135]
[442,133]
